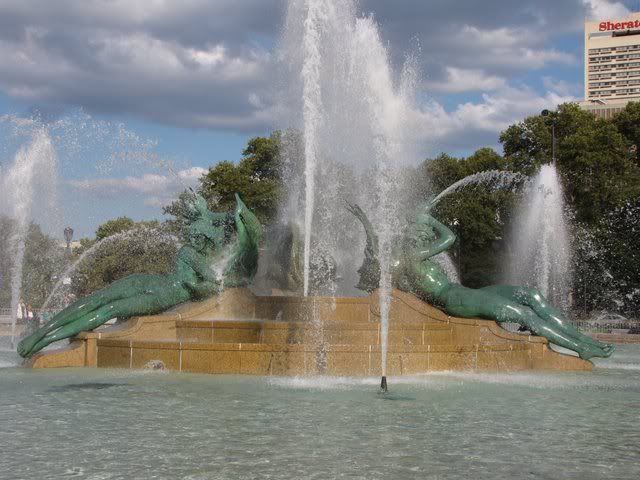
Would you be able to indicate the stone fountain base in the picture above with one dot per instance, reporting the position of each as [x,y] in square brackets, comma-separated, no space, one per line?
[240,333]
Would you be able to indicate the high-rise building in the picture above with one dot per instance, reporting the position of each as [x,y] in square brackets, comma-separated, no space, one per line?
[611,64]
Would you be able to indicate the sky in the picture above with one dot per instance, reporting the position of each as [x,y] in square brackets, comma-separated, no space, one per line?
[148,94]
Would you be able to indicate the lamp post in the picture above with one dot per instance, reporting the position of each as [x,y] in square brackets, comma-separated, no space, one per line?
[552,118]
[459,262]
[68,236]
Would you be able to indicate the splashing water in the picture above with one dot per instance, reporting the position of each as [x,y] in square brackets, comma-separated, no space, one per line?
[353,112]
[495,179]
[446,263]
[152,237]
[28,183]
[541,249]
[312,114]
[34,168]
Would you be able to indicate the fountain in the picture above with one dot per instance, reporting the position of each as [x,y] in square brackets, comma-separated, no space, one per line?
[354,112]
[299,357]
[34,167]
[540,247]
[349,114]
[235,331]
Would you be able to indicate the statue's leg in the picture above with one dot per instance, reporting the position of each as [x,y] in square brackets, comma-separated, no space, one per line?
[467,302]
[89,322]
[123,308]
[534,299]
[70,314]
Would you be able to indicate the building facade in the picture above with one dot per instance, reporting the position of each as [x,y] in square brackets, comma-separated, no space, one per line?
[611,64]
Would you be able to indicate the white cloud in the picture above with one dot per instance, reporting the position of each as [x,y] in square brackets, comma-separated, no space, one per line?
[561,87]
[475,124]
[505,48]
[157,190]
[466,80]
[198,63]
[193,64]
[605,9]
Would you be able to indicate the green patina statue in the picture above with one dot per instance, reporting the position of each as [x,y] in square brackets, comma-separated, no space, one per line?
[414,271]
[221,251]
[286,264]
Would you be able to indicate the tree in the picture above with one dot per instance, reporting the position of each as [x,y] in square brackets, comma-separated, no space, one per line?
[529,144]
[592,155]
[123,247]
[112,227]
[43,262]
[628,124]
[256,178]
[477,214]
[596,169]
[608,262]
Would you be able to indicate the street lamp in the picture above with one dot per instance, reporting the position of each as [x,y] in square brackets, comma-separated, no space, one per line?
[68,236]
[553,117]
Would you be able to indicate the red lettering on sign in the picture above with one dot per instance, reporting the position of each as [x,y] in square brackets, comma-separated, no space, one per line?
[605,26]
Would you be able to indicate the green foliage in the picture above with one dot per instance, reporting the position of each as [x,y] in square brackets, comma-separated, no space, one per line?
[608,262]
[125,248]
[256,178]
[628,124]
[44,261]
[476,214]
[593,155]
[179,210]
[597,171]
[529,144]
[111,227]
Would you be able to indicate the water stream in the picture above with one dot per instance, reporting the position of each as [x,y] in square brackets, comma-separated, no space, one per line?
[34,167]
[541,250]
[351,108]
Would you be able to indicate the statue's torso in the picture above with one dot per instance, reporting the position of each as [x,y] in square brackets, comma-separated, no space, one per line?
[424,278]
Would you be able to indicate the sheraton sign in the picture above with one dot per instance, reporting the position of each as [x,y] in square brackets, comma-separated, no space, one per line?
[607,26]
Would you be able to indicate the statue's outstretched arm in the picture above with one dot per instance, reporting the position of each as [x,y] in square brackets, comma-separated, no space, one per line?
[371,248]
[248,227]
[243,261]
[370,269]
[295,274]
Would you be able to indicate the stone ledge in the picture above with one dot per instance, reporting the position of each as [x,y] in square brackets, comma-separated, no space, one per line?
[422,339]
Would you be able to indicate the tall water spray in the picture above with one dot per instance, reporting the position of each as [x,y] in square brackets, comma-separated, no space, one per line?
[541,250]
[353,112]
[34,168]
[29,179]
[312,115]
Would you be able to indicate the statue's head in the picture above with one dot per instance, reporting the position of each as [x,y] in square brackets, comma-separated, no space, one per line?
[418,232]
[202,226]
[419,228]
[421,233]
[202,234]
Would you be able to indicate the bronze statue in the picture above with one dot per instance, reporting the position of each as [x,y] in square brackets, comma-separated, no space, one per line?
[230,240]
[285,245]
[413,271]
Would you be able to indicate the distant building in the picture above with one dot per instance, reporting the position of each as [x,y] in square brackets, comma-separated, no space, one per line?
[611,64]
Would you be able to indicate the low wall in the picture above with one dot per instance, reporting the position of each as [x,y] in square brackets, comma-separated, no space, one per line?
[240,333]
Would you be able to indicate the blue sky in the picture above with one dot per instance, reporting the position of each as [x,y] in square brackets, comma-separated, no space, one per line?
[189,82]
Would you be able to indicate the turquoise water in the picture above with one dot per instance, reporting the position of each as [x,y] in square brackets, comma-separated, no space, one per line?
[104,424]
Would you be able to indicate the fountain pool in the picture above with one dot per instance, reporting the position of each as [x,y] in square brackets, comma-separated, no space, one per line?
[143,424]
